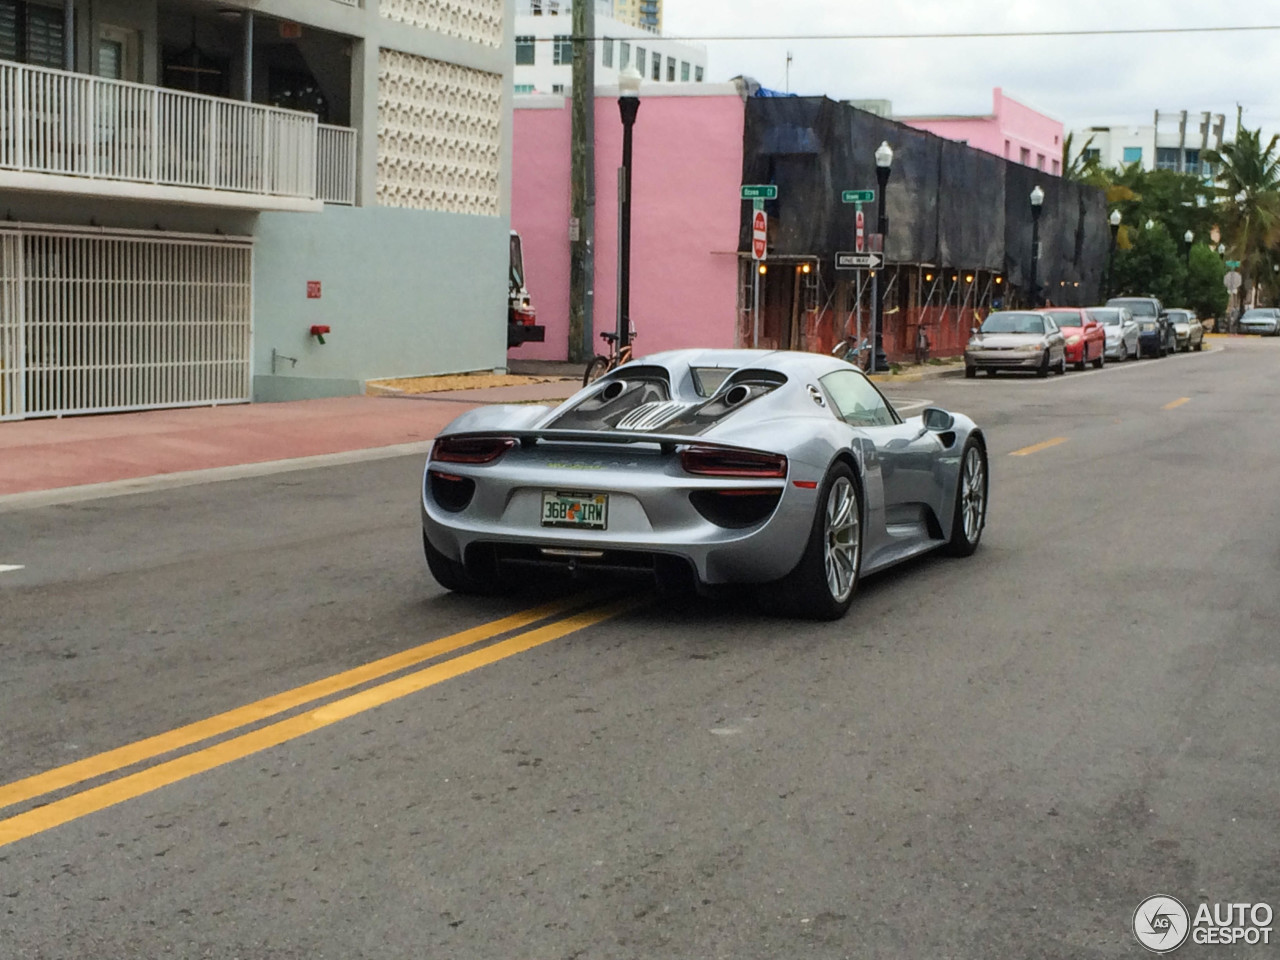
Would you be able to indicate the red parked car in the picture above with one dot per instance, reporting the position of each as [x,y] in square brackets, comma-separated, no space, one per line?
[1086,338]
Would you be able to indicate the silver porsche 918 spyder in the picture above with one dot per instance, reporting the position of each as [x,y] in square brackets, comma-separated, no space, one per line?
[711,466]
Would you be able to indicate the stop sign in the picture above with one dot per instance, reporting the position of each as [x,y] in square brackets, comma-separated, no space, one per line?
[759,235]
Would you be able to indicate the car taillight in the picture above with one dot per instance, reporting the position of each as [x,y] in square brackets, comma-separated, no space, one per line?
[525,316]
[719,462]
[470,449]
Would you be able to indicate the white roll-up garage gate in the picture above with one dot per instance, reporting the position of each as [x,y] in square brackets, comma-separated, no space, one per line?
[101,321]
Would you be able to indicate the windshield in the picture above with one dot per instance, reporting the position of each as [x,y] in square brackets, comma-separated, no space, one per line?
[1013,323]
[1258,314]
[1110,318]
[1179,316]
[1139,308]
[1067,318]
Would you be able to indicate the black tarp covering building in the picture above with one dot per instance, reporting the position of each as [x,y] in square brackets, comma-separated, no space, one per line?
[948,204]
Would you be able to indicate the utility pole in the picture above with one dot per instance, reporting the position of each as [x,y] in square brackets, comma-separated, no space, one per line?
[583,184]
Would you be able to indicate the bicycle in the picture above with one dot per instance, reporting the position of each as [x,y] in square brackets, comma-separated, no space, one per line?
[859,355]
[600,364]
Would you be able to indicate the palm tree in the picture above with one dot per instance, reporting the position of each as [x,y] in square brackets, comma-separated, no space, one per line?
[1249,184]
[1080,166]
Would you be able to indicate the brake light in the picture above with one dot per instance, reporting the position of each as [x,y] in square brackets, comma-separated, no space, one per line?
[525,316]
[721,462]
[470,449]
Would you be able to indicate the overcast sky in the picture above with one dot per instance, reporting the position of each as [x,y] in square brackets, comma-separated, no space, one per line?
[1079,80]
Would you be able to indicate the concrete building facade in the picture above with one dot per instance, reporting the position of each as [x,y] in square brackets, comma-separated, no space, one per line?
[544,51]
[1012,130]
[195,190]
[684,260]
[1174,140]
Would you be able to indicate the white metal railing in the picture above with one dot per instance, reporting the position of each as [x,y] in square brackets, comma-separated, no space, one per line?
[336,164]
[72,124]
[92,322]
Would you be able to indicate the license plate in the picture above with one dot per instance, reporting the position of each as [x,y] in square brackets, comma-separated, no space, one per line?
[582,511]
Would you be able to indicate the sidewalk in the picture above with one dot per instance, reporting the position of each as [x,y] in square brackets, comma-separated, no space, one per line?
[51,454]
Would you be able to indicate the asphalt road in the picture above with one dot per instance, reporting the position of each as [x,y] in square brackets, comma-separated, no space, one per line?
[993,757]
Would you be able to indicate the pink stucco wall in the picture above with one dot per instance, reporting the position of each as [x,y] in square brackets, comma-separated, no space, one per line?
[1011,127]
[684,221]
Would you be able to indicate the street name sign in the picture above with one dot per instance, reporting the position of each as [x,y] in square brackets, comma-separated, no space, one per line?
[858,261]
[760,191]
[759,235]
[857,196]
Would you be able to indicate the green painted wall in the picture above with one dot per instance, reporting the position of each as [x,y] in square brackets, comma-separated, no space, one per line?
[406,293]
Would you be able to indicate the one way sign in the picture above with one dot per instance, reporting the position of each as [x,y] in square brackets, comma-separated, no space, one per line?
[859,261]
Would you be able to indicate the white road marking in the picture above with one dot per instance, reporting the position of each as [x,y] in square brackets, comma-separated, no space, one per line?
[909,403]
[11,567]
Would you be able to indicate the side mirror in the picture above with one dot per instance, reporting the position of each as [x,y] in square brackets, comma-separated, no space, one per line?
[937,420]
[973,331]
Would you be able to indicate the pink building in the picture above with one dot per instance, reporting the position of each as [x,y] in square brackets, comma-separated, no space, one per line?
[684,225]
[1012,130]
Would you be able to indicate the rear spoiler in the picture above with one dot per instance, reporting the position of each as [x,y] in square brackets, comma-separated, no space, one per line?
[666,441]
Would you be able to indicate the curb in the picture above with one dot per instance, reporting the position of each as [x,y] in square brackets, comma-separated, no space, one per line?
[915,376]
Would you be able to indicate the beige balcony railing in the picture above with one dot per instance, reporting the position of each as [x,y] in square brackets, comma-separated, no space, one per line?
[73,125]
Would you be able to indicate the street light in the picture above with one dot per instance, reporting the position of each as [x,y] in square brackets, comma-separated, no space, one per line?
[1037,201]
[1222,250]
[1150,224]
[1188,238]
[1114,220]
[884,160]
[628,107]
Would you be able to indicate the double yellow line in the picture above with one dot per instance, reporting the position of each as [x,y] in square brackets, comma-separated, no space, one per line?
[93,799]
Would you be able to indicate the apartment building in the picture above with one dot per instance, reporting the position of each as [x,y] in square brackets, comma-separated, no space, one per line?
[544,49]
[639,13]
[1174,140]
[1011,130]
[214,201]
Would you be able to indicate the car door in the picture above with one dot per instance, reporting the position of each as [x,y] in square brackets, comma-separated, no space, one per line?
[1056,341]
[899,458]
[1129,331]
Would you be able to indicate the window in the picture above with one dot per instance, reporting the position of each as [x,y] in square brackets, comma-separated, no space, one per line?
[1167,158]
[857,399]
[1007,147]
[563,47]
[525,55]
[1132,155]
[558,88]
[1039,161]
[31,33]
[524,88]
[1092,154]
[1057,167]
[1192,159]
[606,54]
[642,60]
[671,69]
[684,71]
[1024,157]
[657,66]
[624,54]
[697,76]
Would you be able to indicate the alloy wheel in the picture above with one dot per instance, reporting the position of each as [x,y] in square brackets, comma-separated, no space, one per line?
[973,494]
[842,539]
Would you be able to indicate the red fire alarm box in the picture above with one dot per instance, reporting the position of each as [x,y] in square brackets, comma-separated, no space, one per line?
[313,289]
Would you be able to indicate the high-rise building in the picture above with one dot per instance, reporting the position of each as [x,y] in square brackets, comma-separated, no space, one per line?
[639,13]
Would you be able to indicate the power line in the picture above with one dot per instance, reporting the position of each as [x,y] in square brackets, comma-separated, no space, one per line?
[968,35]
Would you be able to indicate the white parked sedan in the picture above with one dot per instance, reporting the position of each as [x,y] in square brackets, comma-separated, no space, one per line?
[1121,330]
[1263,320]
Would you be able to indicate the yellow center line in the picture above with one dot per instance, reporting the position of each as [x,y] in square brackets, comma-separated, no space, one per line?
[145,781]
[151,747]
[1174,404]
[1037,447]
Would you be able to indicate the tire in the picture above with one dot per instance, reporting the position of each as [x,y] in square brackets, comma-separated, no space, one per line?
[823,583]
[1199,346]
[596,369]
[1043,369]
[1061,368]
[1100,360]
[1080,364]
[454,576]
[970,372]
[970,515]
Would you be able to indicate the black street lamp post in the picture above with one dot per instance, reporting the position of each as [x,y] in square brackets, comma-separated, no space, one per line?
[628,107]
[884,160]
[1114,220]
[1037,202]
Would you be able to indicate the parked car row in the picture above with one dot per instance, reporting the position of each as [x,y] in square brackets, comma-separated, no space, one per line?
[1049,338]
